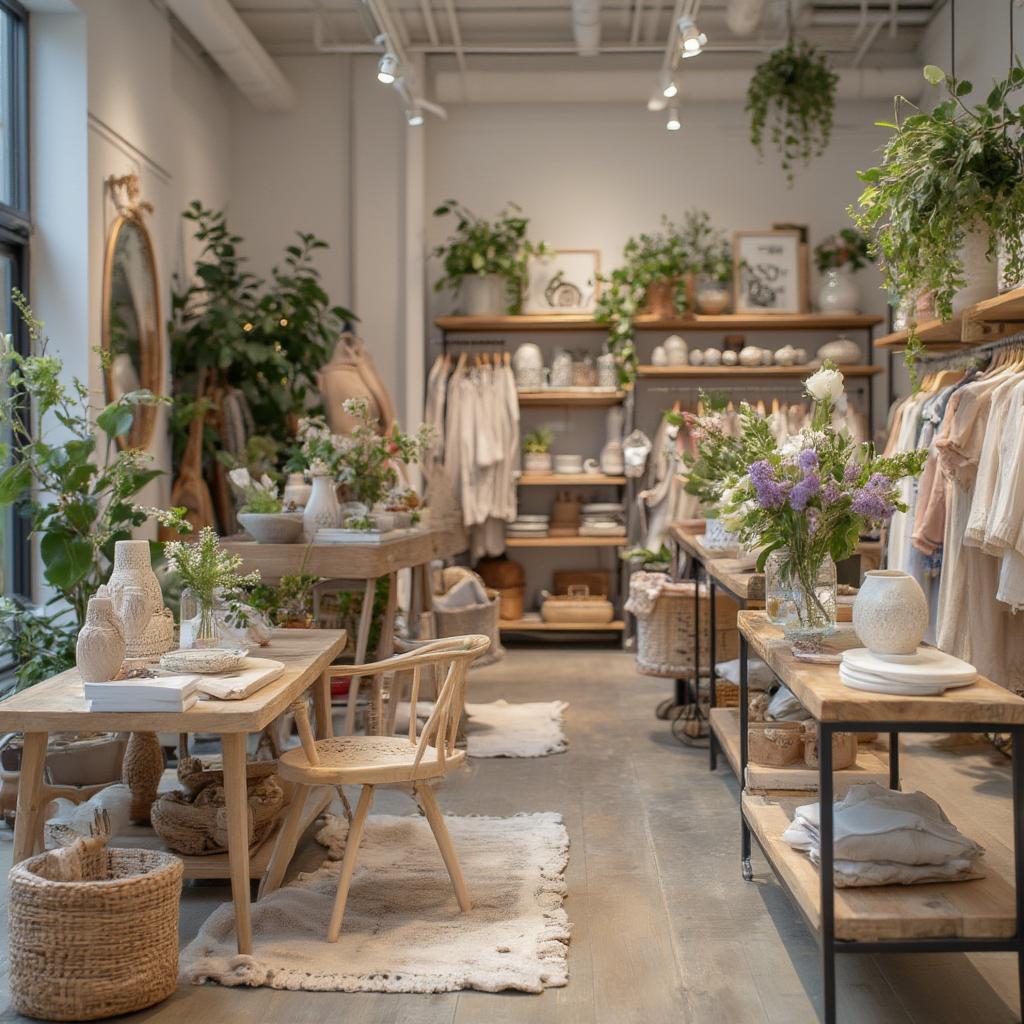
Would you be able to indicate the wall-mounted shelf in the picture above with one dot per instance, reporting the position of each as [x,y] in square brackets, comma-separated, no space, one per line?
[538,625]
[579,399]
[570,480]
[565,542]
[722,322]
[931,332]
[743,372]
[988,320]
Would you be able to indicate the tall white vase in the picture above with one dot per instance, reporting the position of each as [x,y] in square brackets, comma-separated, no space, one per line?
[839,294]
[980,274]
[890,612]
[99,651]
[484,295]
[139,602]
[322,510]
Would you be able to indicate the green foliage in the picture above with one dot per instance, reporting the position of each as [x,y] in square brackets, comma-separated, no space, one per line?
[261,503]
[848,247]
[483,247]
[719,456]
[79,498]
[943,174]
[672,254]
[652,561]
[539,441]
[790,100]
[231,328]
[205,568]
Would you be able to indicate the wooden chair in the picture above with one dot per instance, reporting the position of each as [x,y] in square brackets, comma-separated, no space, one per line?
[409,762]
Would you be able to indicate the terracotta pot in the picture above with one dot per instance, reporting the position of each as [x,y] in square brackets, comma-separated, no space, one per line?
[660,299]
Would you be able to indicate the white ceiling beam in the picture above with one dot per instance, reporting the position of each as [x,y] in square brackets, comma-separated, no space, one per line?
[428,21]
[634,32]
[453,27]
[586,27]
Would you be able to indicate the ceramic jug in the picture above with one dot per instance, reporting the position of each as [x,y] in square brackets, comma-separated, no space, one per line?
[139,602]
[322,509]
[99,652]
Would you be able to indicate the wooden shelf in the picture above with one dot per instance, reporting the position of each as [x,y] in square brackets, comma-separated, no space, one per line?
[988,320]
[980,908]
[723,322]
[1007,308]
[583,399]
[570,480]
[723,372]
[538,625]
[565,542]
[931,333]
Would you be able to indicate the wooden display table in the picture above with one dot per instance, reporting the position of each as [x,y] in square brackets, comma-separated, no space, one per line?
[983,915]
[57,705]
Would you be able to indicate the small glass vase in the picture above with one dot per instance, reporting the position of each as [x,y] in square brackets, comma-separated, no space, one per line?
[199,626]
[802,604]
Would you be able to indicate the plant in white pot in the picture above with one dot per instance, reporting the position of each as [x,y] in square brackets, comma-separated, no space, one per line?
[537,450]
[262,513]
[838,258]
[948,193]
[486,261]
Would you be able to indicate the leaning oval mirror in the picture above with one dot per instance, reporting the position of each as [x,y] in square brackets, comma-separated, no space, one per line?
[131,322]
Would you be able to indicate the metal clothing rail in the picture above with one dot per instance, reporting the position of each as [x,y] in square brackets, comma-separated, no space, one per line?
[974,353]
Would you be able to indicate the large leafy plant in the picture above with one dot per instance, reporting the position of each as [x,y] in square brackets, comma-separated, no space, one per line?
[481,247]
[944,174]
[79,497]
[790,100]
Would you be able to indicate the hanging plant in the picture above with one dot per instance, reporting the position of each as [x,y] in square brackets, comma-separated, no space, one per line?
[790,100]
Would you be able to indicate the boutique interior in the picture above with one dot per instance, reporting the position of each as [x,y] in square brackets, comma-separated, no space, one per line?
[512,513]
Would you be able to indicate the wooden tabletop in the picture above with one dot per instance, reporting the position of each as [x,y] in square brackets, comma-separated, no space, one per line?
[348,561]
[58,705]
[729,572]
[821,692]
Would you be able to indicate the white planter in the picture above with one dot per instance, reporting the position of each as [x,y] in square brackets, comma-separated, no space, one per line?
[839,294]
[322,509]
[272,527]
[979,273]
[890,613]
[99,652]
[484,295]
[536,462]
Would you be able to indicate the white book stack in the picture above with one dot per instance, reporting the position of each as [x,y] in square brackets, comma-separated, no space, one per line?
[165,693]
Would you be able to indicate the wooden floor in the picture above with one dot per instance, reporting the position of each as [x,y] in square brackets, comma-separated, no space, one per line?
[664,929]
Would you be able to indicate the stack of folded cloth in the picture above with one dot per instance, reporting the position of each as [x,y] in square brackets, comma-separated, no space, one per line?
[883,837]
[604,519]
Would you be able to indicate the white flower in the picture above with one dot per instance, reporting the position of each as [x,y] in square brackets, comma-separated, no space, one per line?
[824,384]
[791,446]
[266,484]
[240,478]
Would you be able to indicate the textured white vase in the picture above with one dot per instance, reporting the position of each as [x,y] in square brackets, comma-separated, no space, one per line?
[139,602]
[980,274]
[99,652]
[890,612]
[484,295]
[839,294]
[322,510]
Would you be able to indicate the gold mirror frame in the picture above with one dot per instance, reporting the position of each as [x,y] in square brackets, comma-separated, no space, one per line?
[125,194]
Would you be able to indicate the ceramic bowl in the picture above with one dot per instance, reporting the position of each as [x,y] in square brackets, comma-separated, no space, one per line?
[272,527]
[203,660]
[568,463]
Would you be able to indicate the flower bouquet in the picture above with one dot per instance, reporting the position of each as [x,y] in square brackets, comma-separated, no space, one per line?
[806,502]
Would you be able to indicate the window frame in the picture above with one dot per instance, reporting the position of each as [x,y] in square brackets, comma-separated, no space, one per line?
[15,217]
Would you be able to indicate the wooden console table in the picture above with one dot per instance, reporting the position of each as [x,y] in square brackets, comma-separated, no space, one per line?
[58,705]
[981,915]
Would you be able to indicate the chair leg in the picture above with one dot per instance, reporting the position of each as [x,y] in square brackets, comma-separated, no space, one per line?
[428,801]
[348,863]
[287,840]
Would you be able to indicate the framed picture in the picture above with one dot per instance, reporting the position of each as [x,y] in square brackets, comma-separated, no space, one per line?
[770,271]
[565,282]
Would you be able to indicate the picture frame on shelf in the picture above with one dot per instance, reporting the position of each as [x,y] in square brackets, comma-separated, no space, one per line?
[770,271]
[564,283]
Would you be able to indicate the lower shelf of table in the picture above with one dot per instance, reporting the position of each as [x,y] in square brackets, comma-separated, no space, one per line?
[216,865]
[870,767]
[981,908]
[537,625]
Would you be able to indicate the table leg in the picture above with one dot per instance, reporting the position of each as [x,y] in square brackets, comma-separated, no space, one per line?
[713,647]
[385,648]
[322,702]
[696,634]
[426,623]
[1017,753]
[28,816]
[894,760]
[745,866]
[828,892]
[236,806]
[362,642]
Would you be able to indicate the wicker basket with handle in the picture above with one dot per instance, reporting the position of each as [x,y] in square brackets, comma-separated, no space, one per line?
[93,932]
[577,606]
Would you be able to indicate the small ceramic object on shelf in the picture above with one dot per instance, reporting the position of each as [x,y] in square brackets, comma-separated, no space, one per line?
[713,297]
[785,356]
[840,350]
[696,357]
[297,490]
[928,672]
[659,356]
[767,357]
[138,601]
[99,651]
[730,358]
[890,612]
[568,463]
[323,509]
[612,461]
[271,527]
[607,373]
[676,350]
[561,369]
[537,462]
[528,366]
[584,373]
[591,466]
[839,294]
[799,356]
[483,294]
[712,357]
[750,356]
[207,661]
[384,521]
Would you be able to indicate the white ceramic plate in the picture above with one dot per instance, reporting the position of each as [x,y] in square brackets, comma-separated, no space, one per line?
[929,665]
[532,519]
[856,681]
[603,508]
[209,661]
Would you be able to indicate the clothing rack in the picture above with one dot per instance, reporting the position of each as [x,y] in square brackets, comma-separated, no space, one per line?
[974,353]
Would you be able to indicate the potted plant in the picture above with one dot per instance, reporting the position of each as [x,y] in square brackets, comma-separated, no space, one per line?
[790,100]
[947,194]
[537,450]
[261,512]
[713,252]
[486,261]
[838,257]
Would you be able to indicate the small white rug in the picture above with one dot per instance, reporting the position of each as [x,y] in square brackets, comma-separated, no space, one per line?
[500,729]
[402,930]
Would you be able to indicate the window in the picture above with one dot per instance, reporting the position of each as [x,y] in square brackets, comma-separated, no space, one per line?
[15,567]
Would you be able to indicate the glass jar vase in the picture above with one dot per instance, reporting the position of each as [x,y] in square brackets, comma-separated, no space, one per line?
[801,600]
[198,617]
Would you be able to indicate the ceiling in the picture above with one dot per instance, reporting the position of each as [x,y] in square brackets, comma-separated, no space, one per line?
[855,32]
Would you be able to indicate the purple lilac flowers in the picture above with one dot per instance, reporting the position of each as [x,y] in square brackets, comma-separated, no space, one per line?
[770,493]
[807,460]
[874,499]
[831,492]
[803,491]
[851,472]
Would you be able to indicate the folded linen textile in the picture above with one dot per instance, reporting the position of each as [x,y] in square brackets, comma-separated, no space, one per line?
[784,707]
[874,826]
[467,593]
[644,590]
[857,874]
[759,675]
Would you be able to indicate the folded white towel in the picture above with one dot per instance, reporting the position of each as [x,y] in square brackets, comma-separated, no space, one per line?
[759,675]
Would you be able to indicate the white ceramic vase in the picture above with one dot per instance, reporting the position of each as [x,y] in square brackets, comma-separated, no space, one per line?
[839,294]
[139,602]
[322,510]
[980,274]
[484,295]
[99,652]
[890,612]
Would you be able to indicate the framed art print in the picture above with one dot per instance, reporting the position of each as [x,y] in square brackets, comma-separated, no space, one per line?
[769,271]
[565,282]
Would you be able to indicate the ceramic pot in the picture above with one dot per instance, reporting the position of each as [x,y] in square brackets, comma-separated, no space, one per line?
[839,294]
[537,462]
[322,509]
[561,369]
[607,372]
[840,350]
[138,601]
[296,490]
[712,296]
[528,365]
[484,295]
[659,357]
[676,350]
[660,298]
[271,527]
[980,274]
[890,612]
[99,652]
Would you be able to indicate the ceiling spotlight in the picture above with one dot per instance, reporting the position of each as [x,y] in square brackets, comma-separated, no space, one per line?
[387,68]
[414,117]
[657,102]
[691,40]
[668,84]
[673,124]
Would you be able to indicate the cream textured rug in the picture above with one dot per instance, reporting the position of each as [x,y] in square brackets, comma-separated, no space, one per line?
[402,930]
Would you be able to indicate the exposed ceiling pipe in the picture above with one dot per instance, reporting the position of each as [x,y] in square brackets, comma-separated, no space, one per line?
[453,24]
[586,27]
[216,26]
[742,17]
[428,21]
[869,41]
[638,14]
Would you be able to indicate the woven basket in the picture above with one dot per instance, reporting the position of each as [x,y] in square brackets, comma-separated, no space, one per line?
[477,619]
[94,932]
[577,606]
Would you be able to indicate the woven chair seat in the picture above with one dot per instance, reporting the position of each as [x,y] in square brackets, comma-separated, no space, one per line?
[367,759]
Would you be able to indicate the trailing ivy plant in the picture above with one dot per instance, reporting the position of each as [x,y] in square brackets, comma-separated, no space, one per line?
[943,175]
[790,100]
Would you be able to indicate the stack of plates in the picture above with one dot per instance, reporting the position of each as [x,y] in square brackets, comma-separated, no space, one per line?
[529,526]
[603,519]
[927,673]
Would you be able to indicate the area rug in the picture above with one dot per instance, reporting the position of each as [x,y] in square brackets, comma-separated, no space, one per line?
[402,930]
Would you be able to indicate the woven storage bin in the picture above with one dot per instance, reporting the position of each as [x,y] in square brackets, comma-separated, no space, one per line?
[93,932]
[477,619]
[727,695]
[578,606]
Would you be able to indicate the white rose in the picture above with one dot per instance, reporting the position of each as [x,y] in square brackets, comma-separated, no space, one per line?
[240,478]
[824,384]
[791,446]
